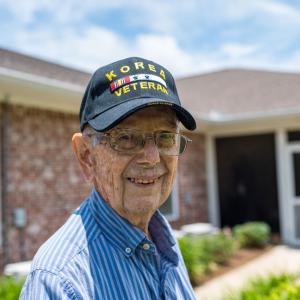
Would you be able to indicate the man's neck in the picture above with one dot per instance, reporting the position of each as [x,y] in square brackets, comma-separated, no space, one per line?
[142,222]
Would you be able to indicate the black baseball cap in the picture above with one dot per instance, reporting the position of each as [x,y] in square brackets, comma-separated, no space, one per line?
[121,88]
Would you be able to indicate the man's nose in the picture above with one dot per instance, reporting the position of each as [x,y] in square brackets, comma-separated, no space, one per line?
[150,153]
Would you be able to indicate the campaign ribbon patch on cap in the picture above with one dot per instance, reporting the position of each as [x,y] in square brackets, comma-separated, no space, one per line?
[132,78]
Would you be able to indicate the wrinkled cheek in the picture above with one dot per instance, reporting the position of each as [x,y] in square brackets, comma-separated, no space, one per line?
[108,179]
[103,178]
[168,185]
[117,184]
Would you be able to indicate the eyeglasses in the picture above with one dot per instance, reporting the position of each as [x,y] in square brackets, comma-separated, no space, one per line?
[132,141]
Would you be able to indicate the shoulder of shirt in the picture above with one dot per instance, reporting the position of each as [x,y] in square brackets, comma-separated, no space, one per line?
[68,242]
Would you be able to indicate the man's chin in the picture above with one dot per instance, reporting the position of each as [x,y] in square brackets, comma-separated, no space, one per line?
[142,207]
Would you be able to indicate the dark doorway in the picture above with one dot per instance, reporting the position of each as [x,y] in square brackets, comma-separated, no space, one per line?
[246,167]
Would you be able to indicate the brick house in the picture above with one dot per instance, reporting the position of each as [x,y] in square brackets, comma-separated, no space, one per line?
[243,163]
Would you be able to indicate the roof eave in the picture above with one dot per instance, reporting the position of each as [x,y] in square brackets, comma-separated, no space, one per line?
[32,90]
[206,121]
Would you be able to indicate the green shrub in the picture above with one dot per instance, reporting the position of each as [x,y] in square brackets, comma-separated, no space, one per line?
[252,234]
[220,247]
[196,262]
[10,288]
[188,253]
[280,287]
[202,254]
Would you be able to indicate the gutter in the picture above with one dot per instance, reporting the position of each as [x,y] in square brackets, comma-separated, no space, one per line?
[219,118]
[41,80]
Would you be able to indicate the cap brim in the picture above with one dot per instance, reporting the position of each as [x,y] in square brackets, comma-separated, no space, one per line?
[113,116]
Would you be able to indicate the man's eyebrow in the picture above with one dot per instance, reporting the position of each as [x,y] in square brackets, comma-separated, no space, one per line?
[173,122]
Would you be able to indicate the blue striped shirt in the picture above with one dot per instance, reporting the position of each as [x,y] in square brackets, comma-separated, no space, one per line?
[97,254]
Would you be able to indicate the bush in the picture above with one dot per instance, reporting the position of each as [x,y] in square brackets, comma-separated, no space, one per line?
[220,247]
[196,263]
[280,287]
[202,254]
[252,234]
[10,288]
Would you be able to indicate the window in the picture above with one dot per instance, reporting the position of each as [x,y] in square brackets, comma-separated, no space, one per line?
[170,209]
[293,136]
[297,221]
[296,163]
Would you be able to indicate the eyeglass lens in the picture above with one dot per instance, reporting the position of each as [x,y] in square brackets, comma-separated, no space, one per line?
[130,141]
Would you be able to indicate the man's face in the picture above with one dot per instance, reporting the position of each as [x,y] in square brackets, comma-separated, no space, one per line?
[136,185]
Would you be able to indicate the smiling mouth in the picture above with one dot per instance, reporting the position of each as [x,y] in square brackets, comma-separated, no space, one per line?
[143,181]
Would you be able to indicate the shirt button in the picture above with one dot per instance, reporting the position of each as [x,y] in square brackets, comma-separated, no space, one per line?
[146,246]
[128,250]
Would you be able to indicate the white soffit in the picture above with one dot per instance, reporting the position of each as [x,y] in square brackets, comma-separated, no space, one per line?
[31,90]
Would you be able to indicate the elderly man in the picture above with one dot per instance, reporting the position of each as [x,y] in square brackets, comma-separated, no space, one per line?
[117,245]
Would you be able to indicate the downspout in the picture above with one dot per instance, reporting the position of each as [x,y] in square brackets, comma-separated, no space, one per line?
[3,180]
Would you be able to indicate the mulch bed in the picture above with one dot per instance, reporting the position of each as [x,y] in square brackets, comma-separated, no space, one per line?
[241,257]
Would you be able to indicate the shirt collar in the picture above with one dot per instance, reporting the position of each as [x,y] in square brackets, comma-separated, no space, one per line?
[128,237]
[161,233]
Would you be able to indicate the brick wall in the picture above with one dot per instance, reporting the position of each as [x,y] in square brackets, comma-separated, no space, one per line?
[43,177]
[192,183]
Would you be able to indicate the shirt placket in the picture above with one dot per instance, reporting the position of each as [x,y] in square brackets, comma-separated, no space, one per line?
[148,263]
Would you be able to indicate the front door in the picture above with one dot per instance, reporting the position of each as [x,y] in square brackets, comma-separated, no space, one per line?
[247,182]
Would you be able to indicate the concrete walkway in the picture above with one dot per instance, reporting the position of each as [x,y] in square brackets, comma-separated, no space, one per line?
[278,260]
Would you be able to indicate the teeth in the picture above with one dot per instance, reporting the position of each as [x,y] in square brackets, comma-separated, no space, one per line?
[141,181]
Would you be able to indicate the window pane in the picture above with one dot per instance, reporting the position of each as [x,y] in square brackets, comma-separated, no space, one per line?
[297,221]
[167,207]
[294,136]
[296,163]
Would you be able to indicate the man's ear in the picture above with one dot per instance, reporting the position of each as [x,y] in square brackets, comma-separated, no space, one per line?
[82,151]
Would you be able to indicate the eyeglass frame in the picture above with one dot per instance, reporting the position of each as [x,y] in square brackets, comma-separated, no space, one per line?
[145,136]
